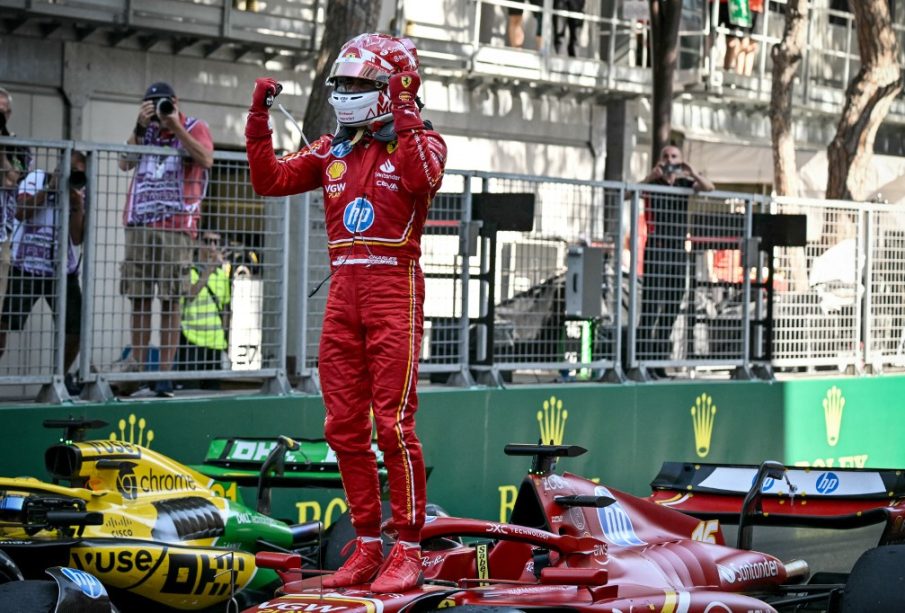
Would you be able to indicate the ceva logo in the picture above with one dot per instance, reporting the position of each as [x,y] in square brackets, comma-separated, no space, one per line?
[139,437]
[827,483]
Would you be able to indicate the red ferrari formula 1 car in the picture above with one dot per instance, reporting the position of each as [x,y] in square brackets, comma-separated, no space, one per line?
[575,545]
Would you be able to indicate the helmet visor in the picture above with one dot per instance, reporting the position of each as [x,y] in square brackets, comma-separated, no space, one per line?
[359,69]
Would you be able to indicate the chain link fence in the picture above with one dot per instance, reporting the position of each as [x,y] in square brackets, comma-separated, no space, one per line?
[562,279]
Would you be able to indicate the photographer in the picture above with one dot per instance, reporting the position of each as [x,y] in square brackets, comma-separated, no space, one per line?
[35,244]
[666,220]
[163,209]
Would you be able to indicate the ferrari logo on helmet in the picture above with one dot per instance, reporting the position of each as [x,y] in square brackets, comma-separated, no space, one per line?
[406,81]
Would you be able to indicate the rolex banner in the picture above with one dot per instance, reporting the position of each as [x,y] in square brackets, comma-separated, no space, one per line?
[628,430]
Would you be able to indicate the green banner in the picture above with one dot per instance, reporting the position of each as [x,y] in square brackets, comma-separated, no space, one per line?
[628,430]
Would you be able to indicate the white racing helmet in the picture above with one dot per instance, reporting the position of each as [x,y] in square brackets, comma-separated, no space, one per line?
[373,57]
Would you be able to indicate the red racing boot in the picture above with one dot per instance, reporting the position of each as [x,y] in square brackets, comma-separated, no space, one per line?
[361,566]
[401,572]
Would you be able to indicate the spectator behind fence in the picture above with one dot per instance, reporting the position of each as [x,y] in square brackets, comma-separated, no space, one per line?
[13,165]
[515,31]
[666,222]
[379,174]
[572,24]
[35,246]
[161,216]
[741,49]
[206,313]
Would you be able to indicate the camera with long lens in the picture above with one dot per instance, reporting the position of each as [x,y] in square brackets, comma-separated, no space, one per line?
[164,106]
[77,180]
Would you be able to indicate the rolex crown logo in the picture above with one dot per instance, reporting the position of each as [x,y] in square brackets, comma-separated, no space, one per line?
[141,437]
[552,421]
[833,404]
[703,414]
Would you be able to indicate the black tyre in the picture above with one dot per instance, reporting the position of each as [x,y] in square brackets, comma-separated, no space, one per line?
[37,596]
[877,582]
[8,569]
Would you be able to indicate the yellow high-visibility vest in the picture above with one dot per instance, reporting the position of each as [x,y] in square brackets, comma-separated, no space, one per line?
[201,321]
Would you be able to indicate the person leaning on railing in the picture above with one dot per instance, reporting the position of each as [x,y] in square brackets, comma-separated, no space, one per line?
[34,247]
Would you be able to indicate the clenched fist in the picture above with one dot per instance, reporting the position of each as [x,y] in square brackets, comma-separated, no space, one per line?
[404,87]
[266,89]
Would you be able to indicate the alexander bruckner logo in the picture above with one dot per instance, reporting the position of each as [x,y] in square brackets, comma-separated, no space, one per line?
[136,438]
[552,421]
[833,404]
[703,415]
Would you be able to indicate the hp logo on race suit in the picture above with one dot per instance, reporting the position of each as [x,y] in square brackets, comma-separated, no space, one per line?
[827,483]
[358,216]
[88,583]
[614,521]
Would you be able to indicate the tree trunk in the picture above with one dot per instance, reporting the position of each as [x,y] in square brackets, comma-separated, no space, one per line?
[665,16]
[786,60]
[867,101]
[344,19]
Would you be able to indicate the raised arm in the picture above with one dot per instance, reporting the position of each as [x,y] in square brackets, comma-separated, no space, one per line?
[424,152]
[293,174]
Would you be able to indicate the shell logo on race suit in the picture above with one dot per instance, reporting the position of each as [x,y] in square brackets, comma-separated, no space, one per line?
[336,170]
[614,521]
[358,216]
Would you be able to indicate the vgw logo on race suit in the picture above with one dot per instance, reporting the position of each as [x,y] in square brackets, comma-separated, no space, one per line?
[358,215]
[614,521]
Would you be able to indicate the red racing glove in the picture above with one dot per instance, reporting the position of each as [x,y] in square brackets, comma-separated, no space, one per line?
[403,89]
[257,124]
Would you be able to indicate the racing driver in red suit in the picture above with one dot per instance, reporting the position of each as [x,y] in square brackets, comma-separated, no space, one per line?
[379,173]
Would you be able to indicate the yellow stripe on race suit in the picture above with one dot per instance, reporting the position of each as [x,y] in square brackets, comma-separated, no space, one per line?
[403,402]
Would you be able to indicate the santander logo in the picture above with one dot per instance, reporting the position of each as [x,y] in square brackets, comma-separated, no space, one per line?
[387,167]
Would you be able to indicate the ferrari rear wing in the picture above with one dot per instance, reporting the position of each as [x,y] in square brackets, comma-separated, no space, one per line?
[816,497]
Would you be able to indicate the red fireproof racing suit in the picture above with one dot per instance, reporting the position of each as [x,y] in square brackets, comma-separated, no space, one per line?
[376,197]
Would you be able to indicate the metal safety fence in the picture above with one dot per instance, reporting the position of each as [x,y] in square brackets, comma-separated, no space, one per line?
[564,279]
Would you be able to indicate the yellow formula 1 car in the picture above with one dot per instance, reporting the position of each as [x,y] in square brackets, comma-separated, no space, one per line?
[155,532]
